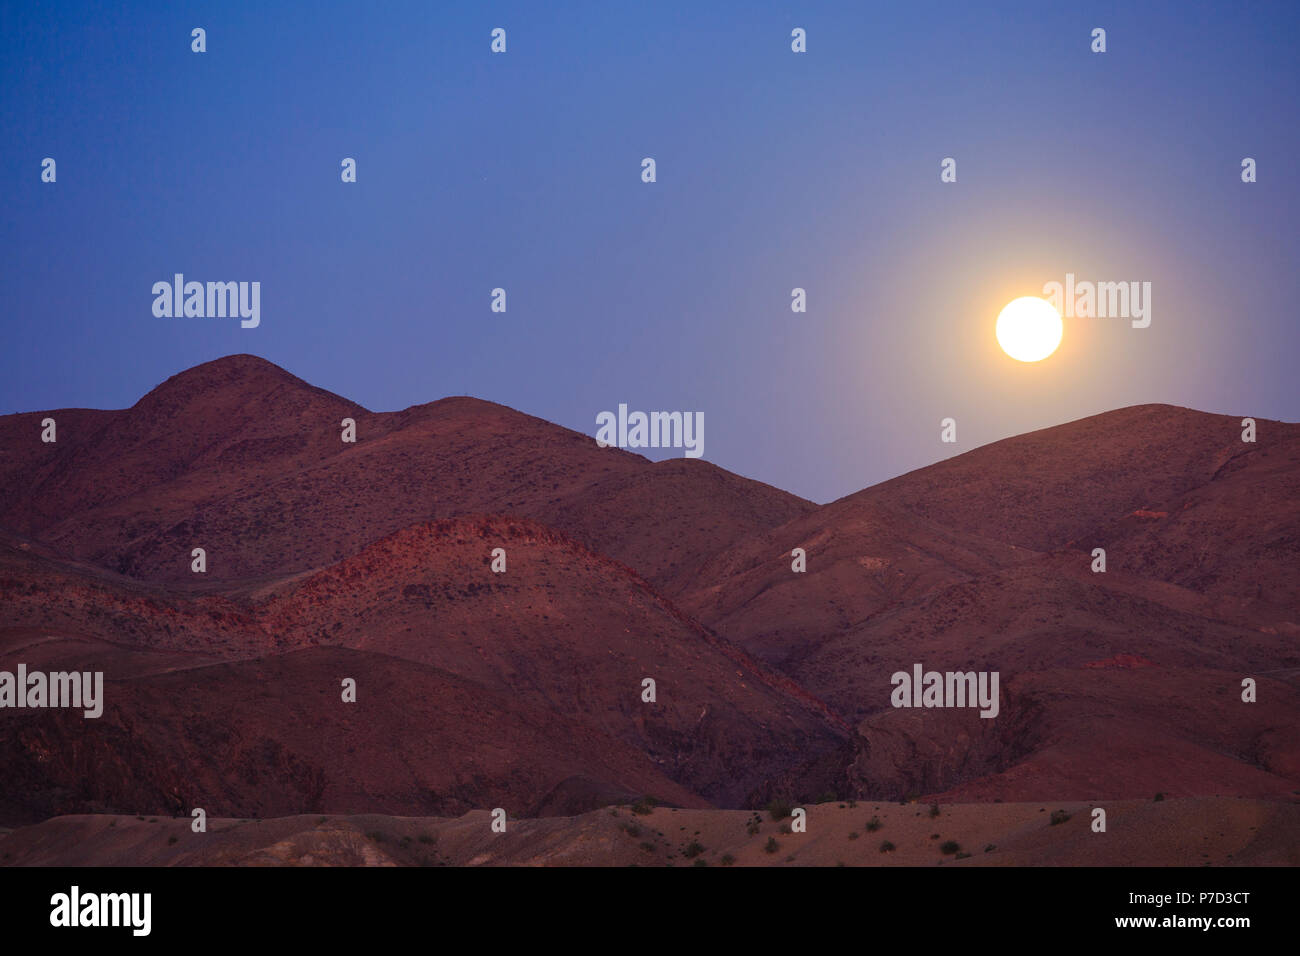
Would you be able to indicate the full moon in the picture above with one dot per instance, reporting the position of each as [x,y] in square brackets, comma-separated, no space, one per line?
[1029,329]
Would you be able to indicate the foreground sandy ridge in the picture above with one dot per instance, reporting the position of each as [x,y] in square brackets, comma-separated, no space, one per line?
[1199,831]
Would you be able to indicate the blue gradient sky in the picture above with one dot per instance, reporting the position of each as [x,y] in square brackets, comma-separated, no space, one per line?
[775,170]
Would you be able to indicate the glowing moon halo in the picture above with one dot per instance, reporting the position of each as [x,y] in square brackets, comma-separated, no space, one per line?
[1029,329]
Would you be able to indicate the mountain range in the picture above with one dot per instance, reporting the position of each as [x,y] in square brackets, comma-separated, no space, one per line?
[524,688]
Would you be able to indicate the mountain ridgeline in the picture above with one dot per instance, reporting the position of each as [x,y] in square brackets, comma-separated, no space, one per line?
[533,622]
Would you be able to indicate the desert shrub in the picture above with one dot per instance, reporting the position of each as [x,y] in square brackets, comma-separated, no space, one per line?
[642,808]
[727,860]
[1059,816]
[779,809]
[887,847]
[428,838]
[771,846]
[934,810]
[648,847]
[854,835]
[874,824]
[1159,797]
[963,856]
[693,849]
[949,847]
[701,862]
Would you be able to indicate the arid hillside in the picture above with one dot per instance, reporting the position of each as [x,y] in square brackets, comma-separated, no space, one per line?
[500,589]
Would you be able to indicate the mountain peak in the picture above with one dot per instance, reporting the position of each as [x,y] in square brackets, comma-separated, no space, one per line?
[247,372]
[1046,488]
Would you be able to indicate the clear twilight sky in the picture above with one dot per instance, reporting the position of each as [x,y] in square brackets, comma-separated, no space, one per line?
[775,170]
